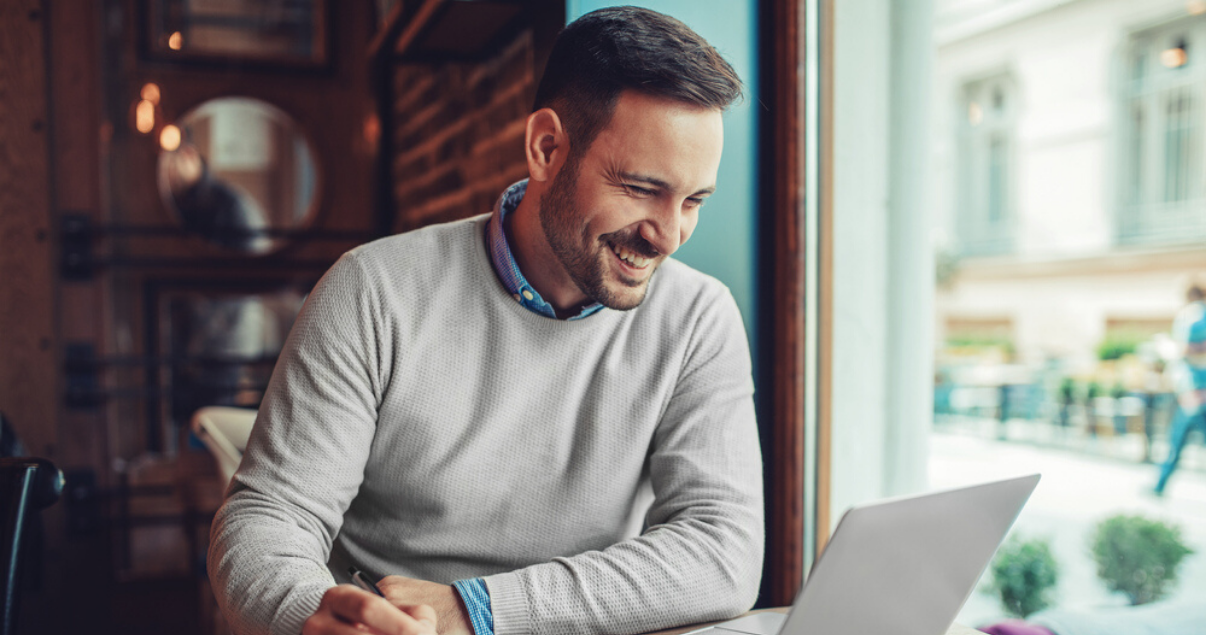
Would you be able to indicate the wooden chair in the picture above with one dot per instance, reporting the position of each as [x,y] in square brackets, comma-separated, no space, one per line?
[26,485]
[224,430]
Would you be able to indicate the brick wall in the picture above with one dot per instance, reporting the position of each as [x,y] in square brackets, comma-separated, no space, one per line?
[458,134]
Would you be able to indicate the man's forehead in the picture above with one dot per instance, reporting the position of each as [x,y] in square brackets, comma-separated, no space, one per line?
[662,142]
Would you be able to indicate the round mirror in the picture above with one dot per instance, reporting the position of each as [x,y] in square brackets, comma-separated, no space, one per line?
[235,169]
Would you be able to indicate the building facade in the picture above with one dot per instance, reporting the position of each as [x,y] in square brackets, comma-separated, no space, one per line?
[1068,174]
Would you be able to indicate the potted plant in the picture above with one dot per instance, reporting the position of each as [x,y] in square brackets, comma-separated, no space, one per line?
[1138,556]
[1023,574]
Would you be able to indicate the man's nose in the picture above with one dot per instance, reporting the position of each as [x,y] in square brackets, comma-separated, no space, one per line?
[663,229]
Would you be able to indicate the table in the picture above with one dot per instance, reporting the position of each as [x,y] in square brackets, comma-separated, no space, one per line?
[955,629]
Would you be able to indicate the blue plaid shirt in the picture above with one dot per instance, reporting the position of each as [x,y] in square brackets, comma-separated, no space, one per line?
[473,592]
[504,261]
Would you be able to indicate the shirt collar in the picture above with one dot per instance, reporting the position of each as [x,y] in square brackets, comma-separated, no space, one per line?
[504,260]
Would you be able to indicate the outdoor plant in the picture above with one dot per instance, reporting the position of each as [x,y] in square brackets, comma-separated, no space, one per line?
[1023,574]
[1119,345]
[1138,556]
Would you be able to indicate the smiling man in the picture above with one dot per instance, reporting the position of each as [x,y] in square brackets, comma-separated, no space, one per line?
[475,412]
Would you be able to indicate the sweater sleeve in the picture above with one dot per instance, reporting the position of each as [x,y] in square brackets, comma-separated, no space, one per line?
[700,557]
[304,463]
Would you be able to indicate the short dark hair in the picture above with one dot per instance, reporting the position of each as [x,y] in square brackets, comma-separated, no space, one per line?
[1195,293]
[606,51]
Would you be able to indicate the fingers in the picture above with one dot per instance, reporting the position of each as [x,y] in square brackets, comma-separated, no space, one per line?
[346,610]
[422,613]
[325,623]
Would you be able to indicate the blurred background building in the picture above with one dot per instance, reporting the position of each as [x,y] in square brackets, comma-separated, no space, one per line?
[1067,178]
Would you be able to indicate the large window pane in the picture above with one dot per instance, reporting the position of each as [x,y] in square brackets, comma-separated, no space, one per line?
[1058,355]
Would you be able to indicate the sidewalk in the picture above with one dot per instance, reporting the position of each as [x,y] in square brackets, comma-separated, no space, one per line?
[1077,491]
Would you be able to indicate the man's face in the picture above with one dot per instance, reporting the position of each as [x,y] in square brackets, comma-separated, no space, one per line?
[615,212]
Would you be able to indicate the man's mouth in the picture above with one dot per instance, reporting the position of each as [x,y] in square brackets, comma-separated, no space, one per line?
[634,260]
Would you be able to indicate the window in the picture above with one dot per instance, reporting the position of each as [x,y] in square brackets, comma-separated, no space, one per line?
[1164,95]
[986,138]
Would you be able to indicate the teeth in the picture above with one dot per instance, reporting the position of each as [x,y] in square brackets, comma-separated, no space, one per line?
[631,258]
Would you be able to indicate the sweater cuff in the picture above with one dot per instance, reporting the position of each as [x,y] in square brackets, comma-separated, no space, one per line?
[477,604]
[297,608]
[509,604]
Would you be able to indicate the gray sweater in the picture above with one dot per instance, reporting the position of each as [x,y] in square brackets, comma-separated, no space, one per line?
[421,422]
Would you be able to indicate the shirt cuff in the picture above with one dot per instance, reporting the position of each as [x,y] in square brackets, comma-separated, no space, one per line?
[477,603]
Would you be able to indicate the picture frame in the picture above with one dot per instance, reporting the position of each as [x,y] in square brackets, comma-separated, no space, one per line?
[272,34]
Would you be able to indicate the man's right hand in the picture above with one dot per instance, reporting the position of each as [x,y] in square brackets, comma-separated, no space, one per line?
[347,610]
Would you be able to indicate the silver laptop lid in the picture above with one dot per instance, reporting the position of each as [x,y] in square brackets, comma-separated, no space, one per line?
[905,566]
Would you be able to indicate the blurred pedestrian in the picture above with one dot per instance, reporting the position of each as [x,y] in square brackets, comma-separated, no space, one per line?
[1189,332]
[1067,399]
[1092,392]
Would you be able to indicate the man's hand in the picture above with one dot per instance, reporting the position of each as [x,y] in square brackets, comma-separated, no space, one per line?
[449,610]
[346,610]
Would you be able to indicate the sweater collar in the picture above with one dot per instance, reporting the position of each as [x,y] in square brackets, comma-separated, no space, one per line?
[504,263]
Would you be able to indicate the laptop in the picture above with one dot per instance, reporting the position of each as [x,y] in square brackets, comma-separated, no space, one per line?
[904,566]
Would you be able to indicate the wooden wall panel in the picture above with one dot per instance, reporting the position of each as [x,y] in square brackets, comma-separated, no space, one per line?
[332,105]
[784,141]
[75,125]
[459,132]
[27,339]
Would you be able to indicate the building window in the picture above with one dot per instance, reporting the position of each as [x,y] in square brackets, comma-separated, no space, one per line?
[1165,89]
[986,139]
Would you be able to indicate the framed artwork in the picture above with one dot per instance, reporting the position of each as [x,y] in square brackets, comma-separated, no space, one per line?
[217,344]
[277,33]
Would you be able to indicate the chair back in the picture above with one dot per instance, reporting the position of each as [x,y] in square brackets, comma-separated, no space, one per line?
[225,430]
[26,485]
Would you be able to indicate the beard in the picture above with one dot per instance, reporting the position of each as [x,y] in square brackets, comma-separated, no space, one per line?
[560,218]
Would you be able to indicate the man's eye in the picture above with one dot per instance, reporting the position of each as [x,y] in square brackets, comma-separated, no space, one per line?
[638,190]
[695,202]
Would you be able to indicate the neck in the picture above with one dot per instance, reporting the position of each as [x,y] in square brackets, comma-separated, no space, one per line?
[536,259]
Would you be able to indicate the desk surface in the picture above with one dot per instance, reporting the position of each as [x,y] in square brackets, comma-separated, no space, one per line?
[955,629]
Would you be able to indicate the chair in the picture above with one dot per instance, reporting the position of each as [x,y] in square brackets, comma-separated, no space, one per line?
[27,485]
[224,430]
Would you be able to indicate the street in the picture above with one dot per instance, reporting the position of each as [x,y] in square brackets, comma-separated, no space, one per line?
[1077,491]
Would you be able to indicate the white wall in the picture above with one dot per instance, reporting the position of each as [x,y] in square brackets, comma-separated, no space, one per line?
[860,245]
[882,274]
[1065,315]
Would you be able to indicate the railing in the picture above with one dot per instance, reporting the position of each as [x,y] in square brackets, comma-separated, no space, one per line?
[1133,427]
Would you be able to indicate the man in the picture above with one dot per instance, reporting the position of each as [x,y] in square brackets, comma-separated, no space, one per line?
[1189,332]
[482,403]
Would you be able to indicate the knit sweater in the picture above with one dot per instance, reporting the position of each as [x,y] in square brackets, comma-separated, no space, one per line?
[421,422]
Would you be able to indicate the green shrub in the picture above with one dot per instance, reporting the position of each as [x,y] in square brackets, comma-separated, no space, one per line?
[1023,574]
[1138,556]
[1067,390]
[1119,345]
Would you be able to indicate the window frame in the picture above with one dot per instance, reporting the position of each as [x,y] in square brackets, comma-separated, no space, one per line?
[1145,215]
[977,232]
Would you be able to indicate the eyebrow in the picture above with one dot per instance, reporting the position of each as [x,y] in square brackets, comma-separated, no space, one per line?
[656,182]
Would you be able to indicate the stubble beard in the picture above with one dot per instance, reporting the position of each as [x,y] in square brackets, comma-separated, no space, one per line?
[559,218]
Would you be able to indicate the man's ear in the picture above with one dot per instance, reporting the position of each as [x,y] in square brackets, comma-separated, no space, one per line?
[546,144]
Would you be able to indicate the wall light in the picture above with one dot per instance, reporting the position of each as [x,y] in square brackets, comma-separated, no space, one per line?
[150,92]
[1174,57]
[975,113]
[144,116]
[176,41]
[169,138]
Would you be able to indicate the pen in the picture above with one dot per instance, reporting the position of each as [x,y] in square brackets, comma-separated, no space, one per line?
[363,582]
